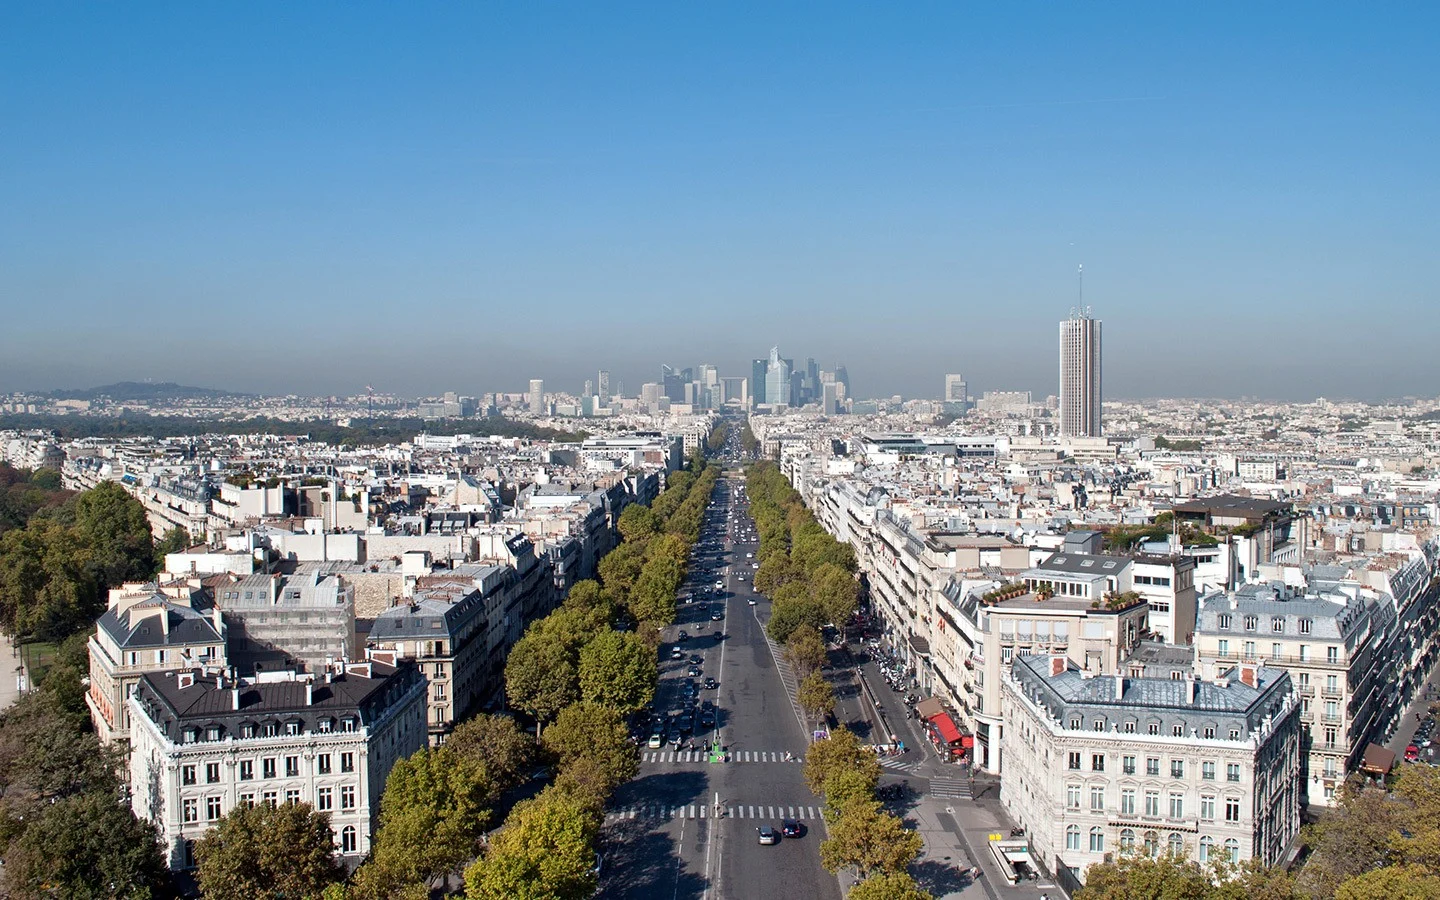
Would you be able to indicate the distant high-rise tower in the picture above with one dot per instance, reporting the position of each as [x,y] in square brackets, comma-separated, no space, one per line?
[589,388]
[777,380]
[537,396]
[954,389]
[758,368]
[842,375]
[1080,375]
[602,385]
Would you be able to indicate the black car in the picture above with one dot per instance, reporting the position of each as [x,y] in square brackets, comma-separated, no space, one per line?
[792,828]
[696,659]
[707,718]
[682,637]
[711,684]
[693,671]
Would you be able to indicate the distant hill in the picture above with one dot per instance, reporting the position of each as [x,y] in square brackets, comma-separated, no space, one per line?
[129,391]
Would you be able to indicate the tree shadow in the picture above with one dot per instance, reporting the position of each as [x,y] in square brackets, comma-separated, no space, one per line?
[940,877]
[641,861]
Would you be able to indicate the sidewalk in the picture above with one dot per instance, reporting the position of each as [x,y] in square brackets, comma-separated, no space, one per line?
[1419,705]
[12,670]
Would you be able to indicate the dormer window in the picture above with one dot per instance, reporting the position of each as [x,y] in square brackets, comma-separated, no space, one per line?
[190,735]
[325,726]
[212,733]
[1252,623]
[1277,624]
[247,730]
[1223,621]
[347,724]
[292,728]
[1305,625]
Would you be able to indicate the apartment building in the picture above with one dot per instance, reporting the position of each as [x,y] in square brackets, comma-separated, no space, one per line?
[201,743]
[1202,767]
[442,628]
[280,622]
[1329,645]
[146,630]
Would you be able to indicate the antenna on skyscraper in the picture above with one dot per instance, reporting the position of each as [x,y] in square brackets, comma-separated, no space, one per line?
[1080,277]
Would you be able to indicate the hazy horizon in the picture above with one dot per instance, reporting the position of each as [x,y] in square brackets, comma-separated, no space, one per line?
[282,199]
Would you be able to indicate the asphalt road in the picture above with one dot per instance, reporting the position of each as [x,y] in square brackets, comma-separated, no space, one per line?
[663,838]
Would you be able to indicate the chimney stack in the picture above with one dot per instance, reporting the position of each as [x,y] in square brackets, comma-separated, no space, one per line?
[1119,685]
[309,692]
[1248,675]
[235,697]
[1057,666]
[1193,689]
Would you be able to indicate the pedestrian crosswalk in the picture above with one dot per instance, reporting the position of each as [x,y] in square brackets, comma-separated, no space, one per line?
[699,756]
[899,764]
[708,811]
[951,788]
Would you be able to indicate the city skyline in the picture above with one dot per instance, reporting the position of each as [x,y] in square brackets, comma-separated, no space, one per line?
[210,196]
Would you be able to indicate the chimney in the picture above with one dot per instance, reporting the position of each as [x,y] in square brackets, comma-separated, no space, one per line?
[235,697]
[185,680]
[1192,689]
[309,692]
[1119,685]
[1248,675]
[1057,665]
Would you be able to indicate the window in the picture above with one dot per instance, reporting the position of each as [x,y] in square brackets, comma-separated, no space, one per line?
[1232,809]
[347,725]
[247,730]
[1277,624]
[1332,655]
[189,810]
[187,775]
[267,767]
[1129,728]
[1177,768]
[1232,771]
[347,797]
[1234,734]
[1331,711]
[1153,728]
[1152,765]
[1177,844]
[1177,806]
[324,798]
[1207,770]
[212,773]
[1232,849]
[1249,649]
[247,769]
[1097,762]
[292,728]
[1127,839]
[1207,844]
[1127,764]
[1097,840]
[1127,802]
[1072,760]
[1332,683]
[269,798]
[347,762]
[1222,621]
[1152,803]
[1305,625]
[271,729]
[324,726]
[322,764]
[1152,844]
[1178,729]
[1223,647]
[212,809]
[1252,623]
[1075,723]
[292,795]
[292,767]
[1097,799]
[1072,796]
[1275,650]
[1207,807]
[1304,679]
[247,799]
[347,839]
[212,733]
[1072,837]
[1097,725]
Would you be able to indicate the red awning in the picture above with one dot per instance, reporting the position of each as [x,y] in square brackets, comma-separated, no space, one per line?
[948,732]
[967,741]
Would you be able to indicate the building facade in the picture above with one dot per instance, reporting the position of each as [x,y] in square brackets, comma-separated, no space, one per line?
[202,743]
[1204,768]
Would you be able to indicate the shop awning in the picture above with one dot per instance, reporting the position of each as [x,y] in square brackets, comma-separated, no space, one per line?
[929,708]
[948,732]
[1378,760]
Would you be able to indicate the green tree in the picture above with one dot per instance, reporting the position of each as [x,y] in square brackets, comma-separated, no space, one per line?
[595,732]
[653,599]
[618,669]
[638,524]
[47,753]
[586,597]
[267,852]
[47,587]
[793,608]
[541,677]
[115,527]
[805,650]
[546,851]
[619,568]
[836,591]
[497,744]
[888,886]
[869,839]
[1404,882]
[83,847]
[816,696]
[432,814]
[175,540]
[840,752]
[846,789]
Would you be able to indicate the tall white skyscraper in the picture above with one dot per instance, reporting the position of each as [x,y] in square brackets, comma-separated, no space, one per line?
[1080,375]
[602,386]
[955,389]
[537,396]
[777,380]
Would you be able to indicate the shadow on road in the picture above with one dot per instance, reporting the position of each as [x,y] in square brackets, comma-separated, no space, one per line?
[939,878]
[641,861]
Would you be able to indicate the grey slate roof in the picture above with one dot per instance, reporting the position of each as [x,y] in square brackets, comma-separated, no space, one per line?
[186,626]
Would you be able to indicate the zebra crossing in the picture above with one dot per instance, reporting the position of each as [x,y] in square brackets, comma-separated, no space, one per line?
[896,764]
[699,756]
[707,811]
[945,788]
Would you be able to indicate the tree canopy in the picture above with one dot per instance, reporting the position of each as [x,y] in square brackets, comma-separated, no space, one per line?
[281,852]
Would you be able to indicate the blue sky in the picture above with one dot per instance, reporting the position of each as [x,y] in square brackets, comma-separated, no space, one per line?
[313,197]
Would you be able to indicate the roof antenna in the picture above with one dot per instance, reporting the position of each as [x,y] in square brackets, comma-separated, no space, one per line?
[1081,279]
